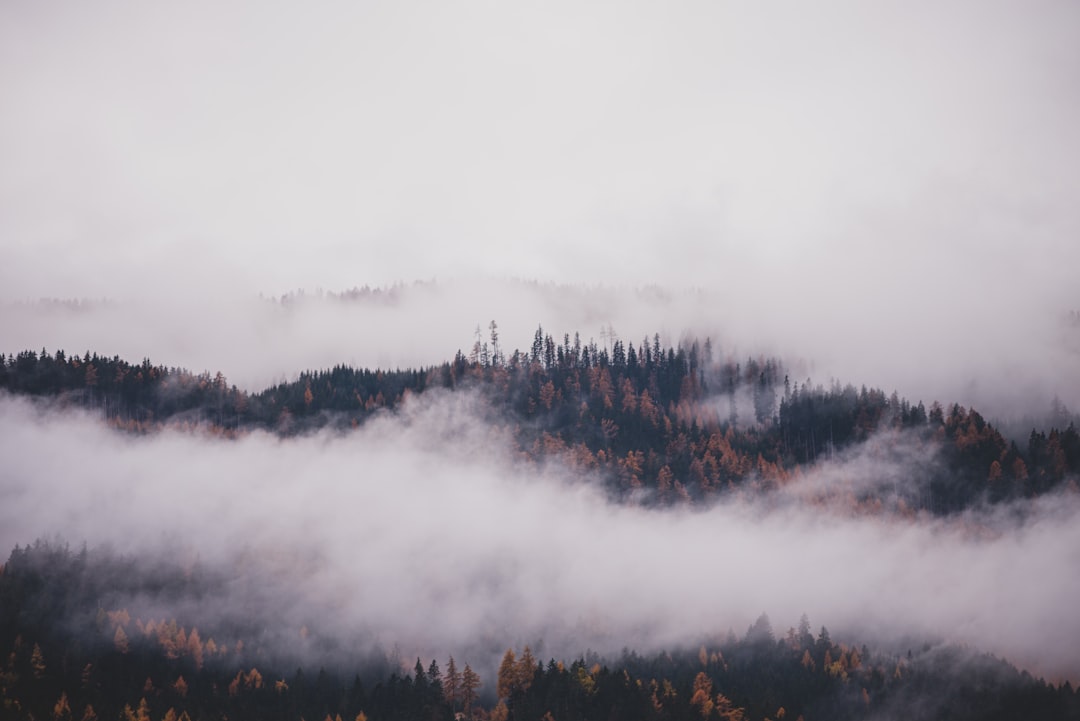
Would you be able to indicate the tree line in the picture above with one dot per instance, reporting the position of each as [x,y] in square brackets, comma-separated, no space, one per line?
[69,652]
[662,425]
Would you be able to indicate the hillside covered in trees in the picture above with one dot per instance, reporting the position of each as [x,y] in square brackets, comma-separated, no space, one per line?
[70,653]
[661,425]
[96,634]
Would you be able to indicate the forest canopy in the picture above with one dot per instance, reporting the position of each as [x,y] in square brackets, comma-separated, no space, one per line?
[666,425]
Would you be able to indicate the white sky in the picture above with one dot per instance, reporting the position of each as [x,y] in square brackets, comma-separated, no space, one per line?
[836,170]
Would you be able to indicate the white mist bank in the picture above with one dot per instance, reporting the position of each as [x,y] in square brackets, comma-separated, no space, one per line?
[419,529]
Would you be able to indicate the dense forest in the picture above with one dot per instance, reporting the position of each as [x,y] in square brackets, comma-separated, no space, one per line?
[661,425]
[656,425]
[70,652]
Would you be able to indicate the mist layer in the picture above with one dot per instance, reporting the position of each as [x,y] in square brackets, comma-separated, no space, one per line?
[419,531]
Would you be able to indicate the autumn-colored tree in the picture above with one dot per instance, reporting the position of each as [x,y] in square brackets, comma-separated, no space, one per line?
[547,394]
[647,408]
[470,682]
[586,680]
[727,710]
[526,669]
[89,714]
[664,480]
[37,662]
[452,684]
[62,710]
[142,713]
[500,712]
[602,387]
[702,694]
[120,640]
[507,679]
[632,468]
[1019,470]
[195,648]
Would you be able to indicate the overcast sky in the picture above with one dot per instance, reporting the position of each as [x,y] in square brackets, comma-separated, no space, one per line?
[889,172]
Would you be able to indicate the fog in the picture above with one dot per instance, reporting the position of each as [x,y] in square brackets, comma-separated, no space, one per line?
[259,341]
[264,147]
[888,191]
[420,531]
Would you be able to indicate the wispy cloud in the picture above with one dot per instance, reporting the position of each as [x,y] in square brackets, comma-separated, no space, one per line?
[420,531]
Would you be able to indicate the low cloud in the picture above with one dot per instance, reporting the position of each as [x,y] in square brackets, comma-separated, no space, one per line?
[420,532]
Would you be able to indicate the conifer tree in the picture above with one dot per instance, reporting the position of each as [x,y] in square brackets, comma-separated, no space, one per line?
[470,682]
[452,687]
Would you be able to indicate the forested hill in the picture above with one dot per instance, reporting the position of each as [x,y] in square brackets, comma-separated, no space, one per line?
[661,424]
[70,651]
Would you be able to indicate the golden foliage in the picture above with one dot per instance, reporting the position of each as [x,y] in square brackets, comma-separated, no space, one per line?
[61,710]
[702,694]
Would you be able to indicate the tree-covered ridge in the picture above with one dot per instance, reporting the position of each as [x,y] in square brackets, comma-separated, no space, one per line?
[663,424]
[70,652]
